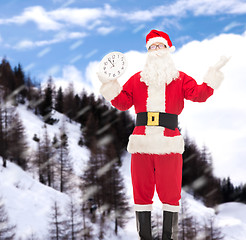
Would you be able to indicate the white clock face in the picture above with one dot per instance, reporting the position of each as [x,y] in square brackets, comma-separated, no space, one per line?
[113,65]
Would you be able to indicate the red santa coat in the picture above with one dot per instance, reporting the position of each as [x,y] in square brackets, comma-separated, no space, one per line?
[168,98]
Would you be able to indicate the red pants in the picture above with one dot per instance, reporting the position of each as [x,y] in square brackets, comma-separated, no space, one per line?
[161,171]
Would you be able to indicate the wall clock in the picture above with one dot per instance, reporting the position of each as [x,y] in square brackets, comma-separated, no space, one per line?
[113,65]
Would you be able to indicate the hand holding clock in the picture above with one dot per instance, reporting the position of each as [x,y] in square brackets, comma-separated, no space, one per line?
[111,67]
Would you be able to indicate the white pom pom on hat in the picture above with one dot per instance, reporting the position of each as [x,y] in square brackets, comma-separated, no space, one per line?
[159,36]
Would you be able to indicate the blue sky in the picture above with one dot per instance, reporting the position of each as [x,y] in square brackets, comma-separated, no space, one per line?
[44,36]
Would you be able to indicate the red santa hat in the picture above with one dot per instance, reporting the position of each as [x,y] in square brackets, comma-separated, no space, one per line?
[158,36]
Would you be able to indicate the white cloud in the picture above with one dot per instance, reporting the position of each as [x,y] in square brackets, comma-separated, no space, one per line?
[1,40]
[138,28]
[29,67]
[181,8]
[53,70]
[91,53]
[57,19]
[59,37]
[220,122]
[231,26]
[76,16]
[75,59]
[105,30]
[44,52]
[36,14]
[76,44]
[70,74]
[24,44]
[89,18]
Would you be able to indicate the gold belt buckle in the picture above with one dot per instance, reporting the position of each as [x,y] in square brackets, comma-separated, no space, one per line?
[153,119]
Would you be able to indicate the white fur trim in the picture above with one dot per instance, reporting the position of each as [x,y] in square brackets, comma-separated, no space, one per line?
[155,144]
[110,90]
[170,208]
[155,40]
[172,49]
[143,207]
[155,103]
[156,98]
[213,77]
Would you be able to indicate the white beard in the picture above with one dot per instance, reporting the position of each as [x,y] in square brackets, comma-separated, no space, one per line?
[159,68]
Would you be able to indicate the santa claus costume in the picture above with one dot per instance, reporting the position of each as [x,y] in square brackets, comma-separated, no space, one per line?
[157,94]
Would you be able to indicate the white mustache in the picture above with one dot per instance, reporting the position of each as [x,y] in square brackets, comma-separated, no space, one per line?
[159,53]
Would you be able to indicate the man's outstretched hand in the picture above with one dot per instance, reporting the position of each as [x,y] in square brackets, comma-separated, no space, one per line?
[214,76]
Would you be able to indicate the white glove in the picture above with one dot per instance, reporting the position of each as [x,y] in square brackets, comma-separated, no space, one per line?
[103,79]
[214,76]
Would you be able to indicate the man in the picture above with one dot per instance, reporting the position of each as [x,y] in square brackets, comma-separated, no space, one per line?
[158,93]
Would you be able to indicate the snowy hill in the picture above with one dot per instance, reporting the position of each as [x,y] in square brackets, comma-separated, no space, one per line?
[28,202]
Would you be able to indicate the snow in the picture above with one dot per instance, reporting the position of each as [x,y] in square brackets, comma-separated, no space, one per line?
[231,219]
[28,202]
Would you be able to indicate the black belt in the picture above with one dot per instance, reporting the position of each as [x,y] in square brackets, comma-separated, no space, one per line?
[166,120]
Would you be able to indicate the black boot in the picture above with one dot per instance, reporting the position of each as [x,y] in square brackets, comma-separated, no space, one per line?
[170,226]
[144,225]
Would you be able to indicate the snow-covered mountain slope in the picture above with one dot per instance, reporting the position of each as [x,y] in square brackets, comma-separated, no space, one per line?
[34,125]
[28,202]
[231,219]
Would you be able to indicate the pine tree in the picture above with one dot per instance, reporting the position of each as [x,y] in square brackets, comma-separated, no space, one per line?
[7,231]
[44,160]
[91,183]
[87,232]
[228,190]
[17,142]
[59,101]
[2,137]
[64,161]
[20,86]
[7,111]
[114,189]
[46,106]
[75,227]
[89,132]
[6,78]
[58,226]
[198,177]
[212,232]
[187,226]
[38,161]
[30,90]
[85,107]
[69,101]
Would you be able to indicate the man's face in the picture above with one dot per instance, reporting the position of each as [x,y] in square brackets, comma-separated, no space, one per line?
[157,46]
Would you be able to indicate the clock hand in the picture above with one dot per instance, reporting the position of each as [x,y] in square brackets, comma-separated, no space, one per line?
[111,62]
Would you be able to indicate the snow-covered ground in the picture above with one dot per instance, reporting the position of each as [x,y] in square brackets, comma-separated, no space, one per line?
[28,202]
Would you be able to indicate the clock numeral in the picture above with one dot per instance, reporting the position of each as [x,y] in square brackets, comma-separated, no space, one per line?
[118,72]
[105,72]
[109,74]
[105,63]
[104,68]
[113,57]
[114,75]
